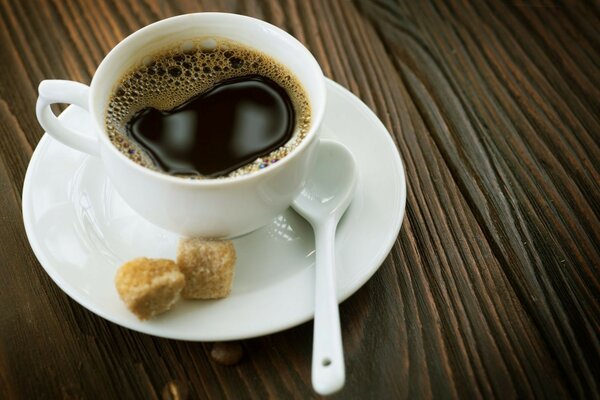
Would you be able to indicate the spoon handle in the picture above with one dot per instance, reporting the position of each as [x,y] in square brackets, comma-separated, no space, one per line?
[328,373]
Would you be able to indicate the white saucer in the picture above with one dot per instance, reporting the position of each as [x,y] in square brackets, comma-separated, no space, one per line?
[81,231]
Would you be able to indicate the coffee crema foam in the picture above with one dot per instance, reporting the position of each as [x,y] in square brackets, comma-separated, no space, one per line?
[169,78]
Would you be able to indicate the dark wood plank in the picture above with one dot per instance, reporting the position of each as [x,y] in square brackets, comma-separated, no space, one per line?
[532,188]
[492,288]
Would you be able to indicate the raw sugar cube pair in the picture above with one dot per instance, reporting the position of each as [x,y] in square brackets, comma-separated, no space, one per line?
[204,269]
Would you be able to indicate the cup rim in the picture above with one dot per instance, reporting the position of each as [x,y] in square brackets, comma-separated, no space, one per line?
[316,117]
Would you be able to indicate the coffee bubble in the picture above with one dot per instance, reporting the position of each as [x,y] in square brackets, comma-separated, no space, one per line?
[209,44]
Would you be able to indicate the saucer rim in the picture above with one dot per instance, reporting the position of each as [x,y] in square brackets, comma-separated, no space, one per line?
[301,317]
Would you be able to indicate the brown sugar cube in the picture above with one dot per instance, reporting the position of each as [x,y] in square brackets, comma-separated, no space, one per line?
[208,266]
[149,286]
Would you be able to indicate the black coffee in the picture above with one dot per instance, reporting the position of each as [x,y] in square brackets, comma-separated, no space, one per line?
[206,109]
[218,131]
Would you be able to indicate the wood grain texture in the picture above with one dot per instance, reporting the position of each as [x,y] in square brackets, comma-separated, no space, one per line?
[492,289]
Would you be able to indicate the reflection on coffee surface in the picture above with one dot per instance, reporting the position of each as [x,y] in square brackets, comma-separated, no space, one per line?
[206,109]
[218,131]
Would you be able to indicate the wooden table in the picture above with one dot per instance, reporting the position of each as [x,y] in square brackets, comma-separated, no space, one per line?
[492,287]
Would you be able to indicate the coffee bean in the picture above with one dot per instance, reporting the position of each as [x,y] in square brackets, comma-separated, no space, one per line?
[227,353]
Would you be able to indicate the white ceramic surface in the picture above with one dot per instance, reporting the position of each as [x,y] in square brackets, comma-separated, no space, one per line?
[81,231]
[325,198]
[227,207]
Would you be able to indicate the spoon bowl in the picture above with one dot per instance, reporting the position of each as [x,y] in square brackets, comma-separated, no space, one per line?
[331,184]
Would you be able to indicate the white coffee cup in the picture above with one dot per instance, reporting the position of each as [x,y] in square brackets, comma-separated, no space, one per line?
[218,208]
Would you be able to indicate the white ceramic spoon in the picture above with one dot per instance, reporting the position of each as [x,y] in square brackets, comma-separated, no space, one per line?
[327,195]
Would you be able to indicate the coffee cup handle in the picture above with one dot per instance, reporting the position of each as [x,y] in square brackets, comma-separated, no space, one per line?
[60,91]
